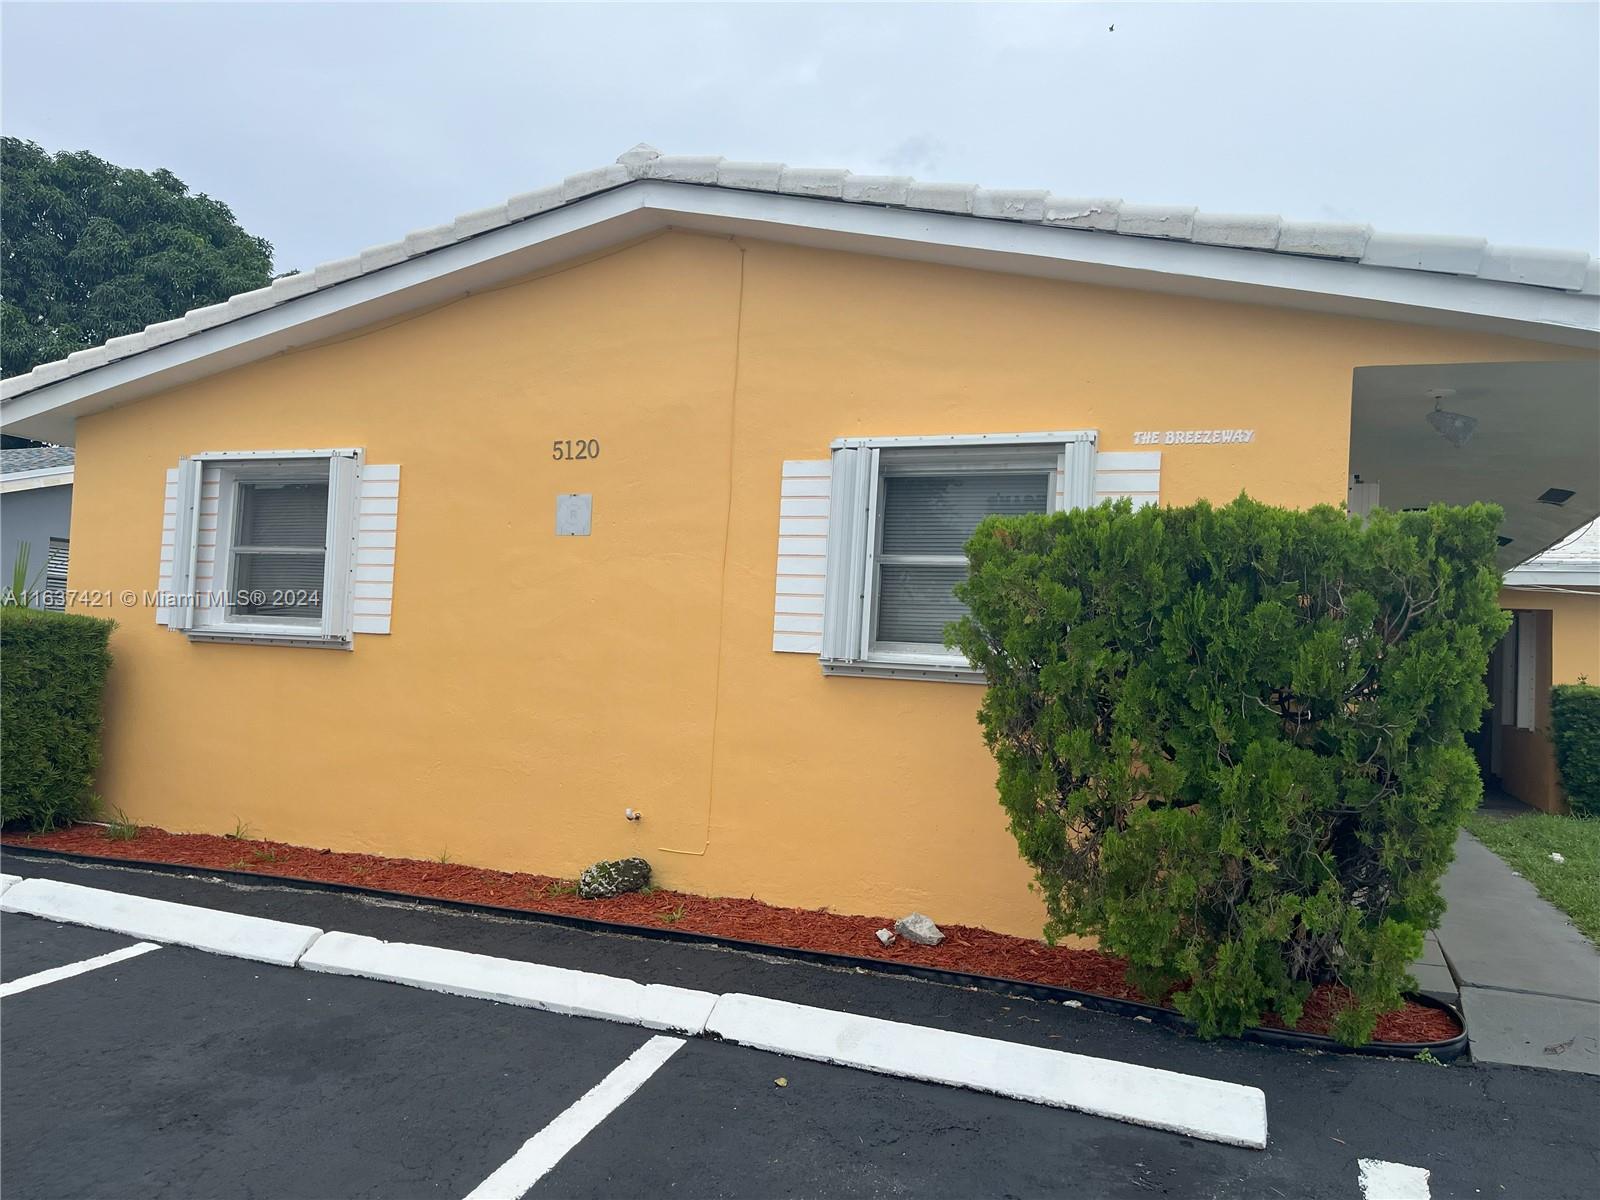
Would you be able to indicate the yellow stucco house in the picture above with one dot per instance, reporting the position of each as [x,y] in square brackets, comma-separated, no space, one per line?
[622,517]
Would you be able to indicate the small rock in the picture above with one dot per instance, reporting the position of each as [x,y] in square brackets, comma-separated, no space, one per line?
[885,936]
[1146,1020]
[1557,858]
[613,877]
[919,929]
[1072,1004]
[782,1081]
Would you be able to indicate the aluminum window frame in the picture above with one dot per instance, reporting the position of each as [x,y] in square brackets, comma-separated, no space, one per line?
[855,533]
[210,622]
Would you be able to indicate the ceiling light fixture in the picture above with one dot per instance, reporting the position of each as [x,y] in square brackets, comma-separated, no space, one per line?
[1456,428]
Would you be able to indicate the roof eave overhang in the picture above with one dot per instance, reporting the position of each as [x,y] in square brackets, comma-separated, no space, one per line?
[642,207]
[42,477]
[1554,574]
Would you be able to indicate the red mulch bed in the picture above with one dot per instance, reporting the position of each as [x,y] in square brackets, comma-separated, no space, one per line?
[965,949]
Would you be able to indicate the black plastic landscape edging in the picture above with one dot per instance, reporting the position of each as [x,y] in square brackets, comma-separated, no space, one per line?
[1445,1051]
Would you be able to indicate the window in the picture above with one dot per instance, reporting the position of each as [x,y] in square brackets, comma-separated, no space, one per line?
[903,509]
[279,548]
[264,547]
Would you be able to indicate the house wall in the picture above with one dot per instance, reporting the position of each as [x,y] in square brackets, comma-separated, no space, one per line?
[33,515]
[1569,647]
[534,687]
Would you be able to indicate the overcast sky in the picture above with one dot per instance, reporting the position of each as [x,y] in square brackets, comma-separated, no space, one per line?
[329,127]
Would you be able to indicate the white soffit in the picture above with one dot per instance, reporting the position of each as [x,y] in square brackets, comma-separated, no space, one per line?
[1543,295]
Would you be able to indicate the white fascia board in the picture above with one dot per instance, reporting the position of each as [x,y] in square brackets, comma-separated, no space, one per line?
[1555,574]
[642,207]
[27,481]
[473,265]
[1153,264]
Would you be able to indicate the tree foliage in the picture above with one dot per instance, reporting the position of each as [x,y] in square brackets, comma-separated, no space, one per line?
[90,251]
[1231,740]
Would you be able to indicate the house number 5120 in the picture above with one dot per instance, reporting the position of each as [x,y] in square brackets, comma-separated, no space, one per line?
[574,448]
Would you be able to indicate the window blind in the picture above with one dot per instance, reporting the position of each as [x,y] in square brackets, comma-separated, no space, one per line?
[279,555]
[927,520]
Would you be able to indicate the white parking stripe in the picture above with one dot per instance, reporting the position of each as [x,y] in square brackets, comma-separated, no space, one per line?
[1392,1181]
[550,1145]
[56,974]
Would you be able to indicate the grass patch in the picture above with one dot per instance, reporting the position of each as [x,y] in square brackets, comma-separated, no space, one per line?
[119,828]
[1526,843]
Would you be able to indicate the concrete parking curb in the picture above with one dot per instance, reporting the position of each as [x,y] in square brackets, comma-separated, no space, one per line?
[1192,1105]
[508,981]
[7,880]
[1188,1104]
[213,930]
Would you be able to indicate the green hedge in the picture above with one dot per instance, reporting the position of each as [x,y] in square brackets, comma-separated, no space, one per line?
[1575,729]
[1231,740]
[52,672]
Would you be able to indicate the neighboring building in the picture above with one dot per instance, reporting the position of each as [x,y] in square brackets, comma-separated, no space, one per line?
[1555,597]
[647,490]
[36,510]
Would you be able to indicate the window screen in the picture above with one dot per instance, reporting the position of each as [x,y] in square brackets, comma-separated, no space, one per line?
[279,549]
[927,520]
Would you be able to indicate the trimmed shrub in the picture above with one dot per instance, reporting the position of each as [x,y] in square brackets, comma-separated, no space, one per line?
[1575,730]
[1231,740]
[52,672]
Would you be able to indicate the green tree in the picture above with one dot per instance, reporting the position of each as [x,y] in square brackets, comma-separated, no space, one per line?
[90,251]
[1231,740]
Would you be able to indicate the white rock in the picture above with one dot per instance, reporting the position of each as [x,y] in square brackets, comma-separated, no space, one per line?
[1557,858]
[919,929]
[885,936]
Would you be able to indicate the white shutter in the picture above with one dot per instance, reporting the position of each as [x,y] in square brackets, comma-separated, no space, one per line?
[854,475]
[182,524]
[1075,475]
[372,579]
[802,554]
[1134,474]
[169,541]
[207,584]
[344,484]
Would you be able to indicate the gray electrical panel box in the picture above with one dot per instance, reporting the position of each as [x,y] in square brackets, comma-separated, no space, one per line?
[574,514]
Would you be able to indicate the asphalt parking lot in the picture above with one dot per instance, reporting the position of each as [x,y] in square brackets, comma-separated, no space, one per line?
[179,1073]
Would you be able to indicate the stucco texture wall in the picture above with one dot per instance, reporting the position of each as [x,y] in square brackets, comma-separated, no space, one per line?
[1569,649]
[534,687]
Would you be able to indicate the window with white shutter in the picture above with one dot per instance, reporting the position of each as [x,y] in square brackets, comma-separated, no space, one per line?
[871,541]
[900,511]
[291,547]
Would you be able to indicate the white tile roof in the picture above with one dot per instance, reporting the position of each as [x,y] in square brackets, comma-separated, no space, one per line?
[1577,554]
[1557,270]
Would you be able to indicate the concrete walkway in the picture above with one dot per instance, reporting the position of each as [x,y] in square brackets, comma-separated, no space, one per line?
[1528,981]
